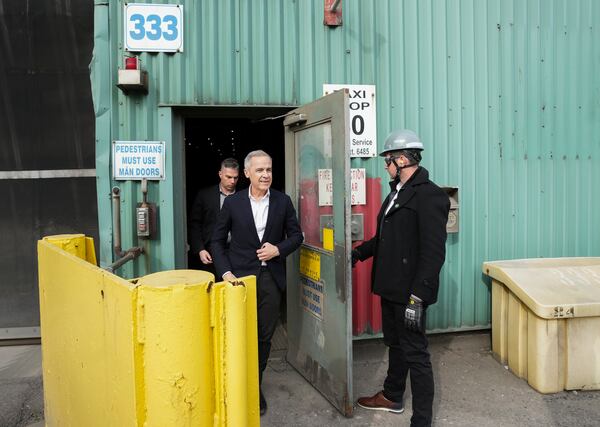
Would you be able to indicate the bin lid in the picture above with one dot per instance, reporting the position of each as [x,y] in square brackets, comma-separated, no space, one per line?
[552,287]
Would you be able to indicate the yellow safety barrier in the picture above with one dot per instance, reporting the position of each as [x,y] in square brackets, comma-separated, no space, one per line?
[167,349]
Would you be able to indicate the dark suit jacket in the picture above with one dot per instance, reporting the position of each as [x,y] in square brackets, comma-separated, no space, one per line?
[282,230]
[203,217]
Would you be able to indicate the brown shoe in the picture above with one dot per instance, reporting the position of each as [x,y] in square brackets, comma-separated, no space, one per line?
[379,402]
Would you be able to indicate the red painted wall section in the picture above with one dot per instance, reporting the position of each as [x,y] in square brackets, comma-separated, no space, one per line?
[311,212]
[366,307]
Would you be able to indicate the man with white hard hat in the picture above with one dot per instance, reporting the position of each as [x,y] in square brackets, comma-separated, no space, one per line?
[408,252]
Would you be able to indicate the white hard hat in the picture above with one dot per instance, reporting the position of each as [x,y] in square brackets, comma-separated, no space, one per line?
[403,139]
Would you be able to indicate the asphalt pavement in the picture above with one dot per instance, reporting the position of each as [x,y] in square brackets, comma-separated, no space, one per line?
[472,389]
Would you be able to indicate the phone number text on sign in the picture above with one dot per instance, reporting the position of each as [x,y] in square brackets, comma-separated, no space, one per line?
[363,120]
[153,27]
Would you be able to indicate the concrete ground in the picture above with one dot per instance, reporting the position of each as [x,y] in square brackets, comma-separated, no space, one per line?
[472,389]
[21,396]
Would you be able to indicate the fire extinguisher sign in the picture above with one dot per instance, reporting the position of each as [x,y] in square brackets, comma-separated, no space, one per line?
[153,27]
[363,118]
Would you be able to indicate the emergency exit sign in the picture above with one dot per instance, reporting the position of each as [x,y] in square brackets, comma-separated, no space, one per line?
[136,160]
[363,118]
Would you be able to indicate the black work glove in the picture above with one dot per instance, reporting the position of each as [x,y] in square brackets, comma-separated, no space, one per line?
[355,257]
[413,316]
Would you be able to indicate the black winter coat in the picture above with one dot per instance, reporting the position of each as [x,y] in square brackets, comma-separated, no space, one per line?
[409,248]
[204,217]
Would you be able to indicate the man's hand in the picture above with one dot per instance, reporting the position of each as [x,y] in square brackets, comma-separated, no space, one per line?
[229,277]
[413,316]
[267,252]
[205,257]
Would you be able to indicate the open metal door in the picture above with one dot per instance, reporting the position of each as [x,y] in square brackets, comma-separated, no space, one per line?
[319,291]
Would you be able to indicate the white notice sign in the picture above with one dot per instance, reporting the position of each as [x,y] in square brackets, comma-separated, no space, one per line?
[312,297]
[363,118]
[358,185]
[136,160]
[153,27]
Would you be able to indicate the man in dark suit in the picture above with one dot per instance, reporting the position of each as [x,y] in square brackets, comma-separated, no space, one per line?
[264,230]
[206,207]
[408,252]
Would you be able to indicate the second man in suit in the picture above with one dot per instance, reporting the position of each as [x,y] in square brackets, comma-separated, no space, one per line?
[264,230]
[206,207]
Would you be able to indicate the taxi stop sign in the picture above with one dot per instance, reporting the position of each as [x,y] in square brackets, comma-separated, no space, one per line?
[363,118]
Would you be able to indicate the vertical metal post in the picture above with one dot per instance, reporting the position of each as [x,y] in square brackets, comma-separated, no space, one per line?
[116,218]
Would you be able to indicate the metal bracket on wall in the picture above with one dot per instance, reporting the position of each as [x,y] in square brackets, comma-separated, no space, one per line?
[294,120]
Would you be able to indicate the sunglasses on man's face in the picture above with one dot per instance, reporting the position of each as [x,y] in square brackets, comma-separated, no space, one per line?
[388,160]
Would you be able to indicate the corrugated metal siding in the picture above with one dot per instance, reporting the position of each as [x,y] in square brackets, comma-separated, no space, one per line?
[46,123]
[503,94]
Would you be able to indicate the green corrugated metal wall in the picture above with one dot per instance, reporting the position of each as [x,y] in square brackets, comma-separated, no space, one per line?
[503,93]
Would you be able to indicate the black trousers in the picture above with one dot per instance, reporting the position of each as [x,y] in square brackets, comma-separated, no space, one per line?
[268,301]
[408,353]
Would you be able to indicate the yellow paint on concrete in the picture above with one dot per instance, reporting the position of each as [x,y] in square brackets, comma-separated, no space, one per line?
[163,350]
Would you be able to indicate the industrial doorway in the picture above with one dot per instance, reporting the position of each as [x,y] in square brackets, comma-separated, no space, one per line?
[216,133]
[306,144]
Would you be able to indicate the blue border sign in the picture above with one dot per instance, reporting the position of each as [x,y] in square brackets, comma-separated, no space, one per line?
[136,160]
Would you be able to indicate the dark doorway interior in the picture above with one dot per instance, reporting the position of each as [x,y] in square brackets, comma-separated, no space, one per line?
[221,132]
[209,140]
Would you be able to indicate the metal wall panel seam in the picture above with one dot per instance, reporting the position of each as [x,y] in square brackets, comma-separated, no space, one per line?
[437,150]
[467,124]
[101,73]
[480,194]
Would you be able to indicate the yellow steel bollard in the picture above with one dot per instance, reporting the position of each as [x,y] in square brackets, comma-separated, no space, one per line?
[168,349]
[75,244]
[173,328]
[86,317]
[233,310]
